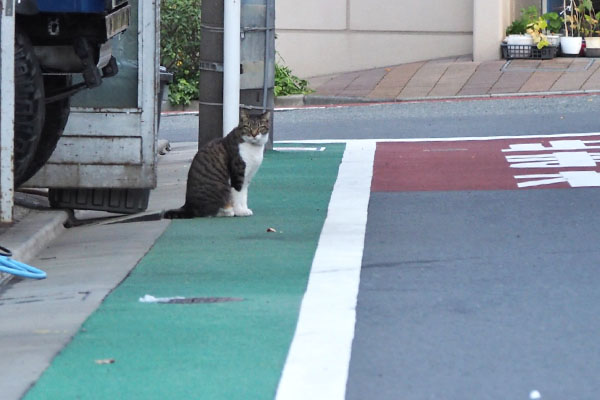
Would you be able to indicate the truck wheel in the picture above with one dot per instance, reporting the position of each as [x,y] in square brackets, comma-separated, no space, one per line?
[57,114]
[29,105]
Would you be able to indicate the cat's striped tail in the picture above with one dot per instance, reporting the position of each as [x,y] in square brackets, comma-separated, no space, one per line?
[177,213]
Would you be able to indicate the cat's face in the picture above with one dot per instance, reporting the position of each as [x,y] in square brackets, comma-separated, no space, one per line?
[255,128]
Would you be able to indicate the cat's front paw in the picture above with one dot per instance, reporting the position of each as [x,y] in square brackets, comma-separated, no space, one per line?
[242,212]
[226,212]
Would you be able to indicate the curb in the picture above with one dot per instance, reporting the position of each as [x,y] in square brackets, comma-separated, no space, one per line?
[28,237]
[322,100]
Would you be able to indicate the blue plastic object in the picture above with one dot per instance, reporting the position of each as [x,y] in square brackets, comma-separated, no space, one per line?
[17,268]
[74,6]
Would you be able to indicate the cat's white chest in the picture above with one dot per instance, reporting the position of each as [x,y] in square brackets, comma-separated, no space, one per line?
[252,154]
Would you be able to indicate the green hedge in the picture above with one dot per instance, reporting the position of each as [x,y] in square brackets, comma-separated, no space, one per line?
[180,47]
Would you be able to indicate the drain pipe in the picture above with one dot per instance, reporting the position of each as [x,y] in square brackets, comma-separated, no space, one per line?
[231,65]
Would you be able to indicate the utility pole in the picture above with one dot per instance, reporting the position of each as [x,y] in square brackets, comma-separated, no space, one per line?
[210,111]
[257,69]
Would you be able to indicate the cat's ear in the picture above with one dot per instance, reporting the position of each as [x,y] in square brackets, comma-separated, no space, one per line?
[244,116]
[266,117]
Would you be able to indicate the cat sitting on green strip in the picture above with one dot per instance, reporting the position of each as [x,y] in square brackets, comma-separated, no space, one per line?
[222,170]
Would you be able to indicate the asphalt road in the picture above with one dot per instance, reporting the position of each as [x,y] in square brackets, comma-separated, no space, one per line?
[478,295]
[526,116]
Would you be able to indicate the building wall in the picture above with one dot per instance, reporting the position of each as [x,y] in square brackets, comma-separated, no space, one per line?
[319,37]
[518,5]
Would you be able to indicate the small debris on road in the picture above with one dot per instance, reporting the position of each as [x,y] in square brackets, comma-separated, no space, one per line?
[105,361]
[535,395]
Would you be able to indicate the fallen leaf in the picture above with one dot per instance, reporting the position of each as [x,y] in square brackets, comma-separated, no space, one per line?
[105,361]
[271,230]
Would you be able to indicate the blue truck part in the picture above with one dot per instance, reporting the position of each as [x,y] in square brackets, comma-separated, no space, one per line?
[72,6]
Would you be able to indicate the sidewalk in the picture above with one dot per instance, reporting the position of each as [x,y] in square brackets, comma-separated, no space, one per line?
[456,77]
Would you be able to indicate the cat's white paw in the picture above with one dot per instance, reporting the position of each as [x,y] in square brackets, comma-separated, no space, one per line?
[243,212]
[226,212]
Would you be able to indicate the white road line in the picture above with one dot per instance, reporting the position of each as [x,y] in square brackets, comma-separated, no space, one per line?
[319,357]
[450,139]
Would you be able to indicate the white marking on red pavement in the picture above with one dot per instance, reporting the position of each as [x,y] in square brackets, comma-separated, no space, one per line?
[564,144]
[319,356]
[574,179]
[554,160]
[485,165]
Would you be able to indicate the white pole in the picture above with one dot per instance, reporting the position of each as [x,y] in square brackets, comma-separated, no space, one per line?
[231,65]
[7,85]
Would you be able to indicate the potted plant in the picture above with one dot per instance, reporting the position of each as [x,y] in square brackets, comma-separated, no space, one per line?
[516,34]
[536,29]
[591,30]
[570,44]
[555,24]
[530,29]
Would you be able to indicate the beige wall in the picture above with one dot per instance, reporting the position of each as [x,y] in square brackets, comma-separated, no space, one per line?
[517,5]
[490,19]
[318,37]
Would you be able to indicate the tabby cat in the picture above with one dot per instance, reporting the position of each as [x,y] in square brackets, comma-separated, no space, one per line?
[221,171]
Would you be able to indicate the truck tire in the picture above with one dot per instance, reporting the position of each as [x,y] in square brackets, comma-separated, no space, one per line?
[57,114]
[29,105]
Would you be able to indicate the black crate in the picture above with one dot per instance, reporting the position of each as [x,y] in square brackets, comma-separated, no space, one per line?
[513,51]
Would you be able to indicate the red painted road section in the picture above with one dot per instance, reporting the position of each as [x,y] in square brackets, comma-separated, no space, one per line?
[497,164]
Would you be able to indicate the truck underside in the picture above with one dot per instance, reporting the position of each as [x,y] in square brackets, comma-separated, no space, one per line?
[55,40]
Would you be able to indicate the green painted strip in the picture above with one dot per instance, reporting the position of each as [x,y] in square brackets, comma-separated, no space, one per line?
[217,351]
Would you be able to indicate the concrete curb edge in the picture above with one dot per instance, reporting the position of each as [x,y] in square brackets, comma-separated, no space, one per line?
[27,238]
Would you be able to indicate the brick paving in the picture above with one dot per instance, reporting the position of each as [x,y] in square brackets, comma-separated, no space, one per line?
[394,80]
[511,81]
[541,81]
[459,76]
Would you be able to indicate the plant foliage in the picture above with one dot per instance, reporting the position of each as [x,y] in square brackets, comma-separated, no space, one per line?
[180,53]
[287,83]
[180,47]
[538,26]
[519,25]
[580,18]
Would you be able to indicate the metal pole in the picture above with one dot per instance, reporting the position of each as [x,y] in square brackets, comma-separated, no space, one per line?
[7,104]
[231,65]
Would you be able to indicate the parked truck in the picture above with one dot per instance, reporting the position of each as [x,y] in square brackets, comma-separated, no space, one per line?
[55,40]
